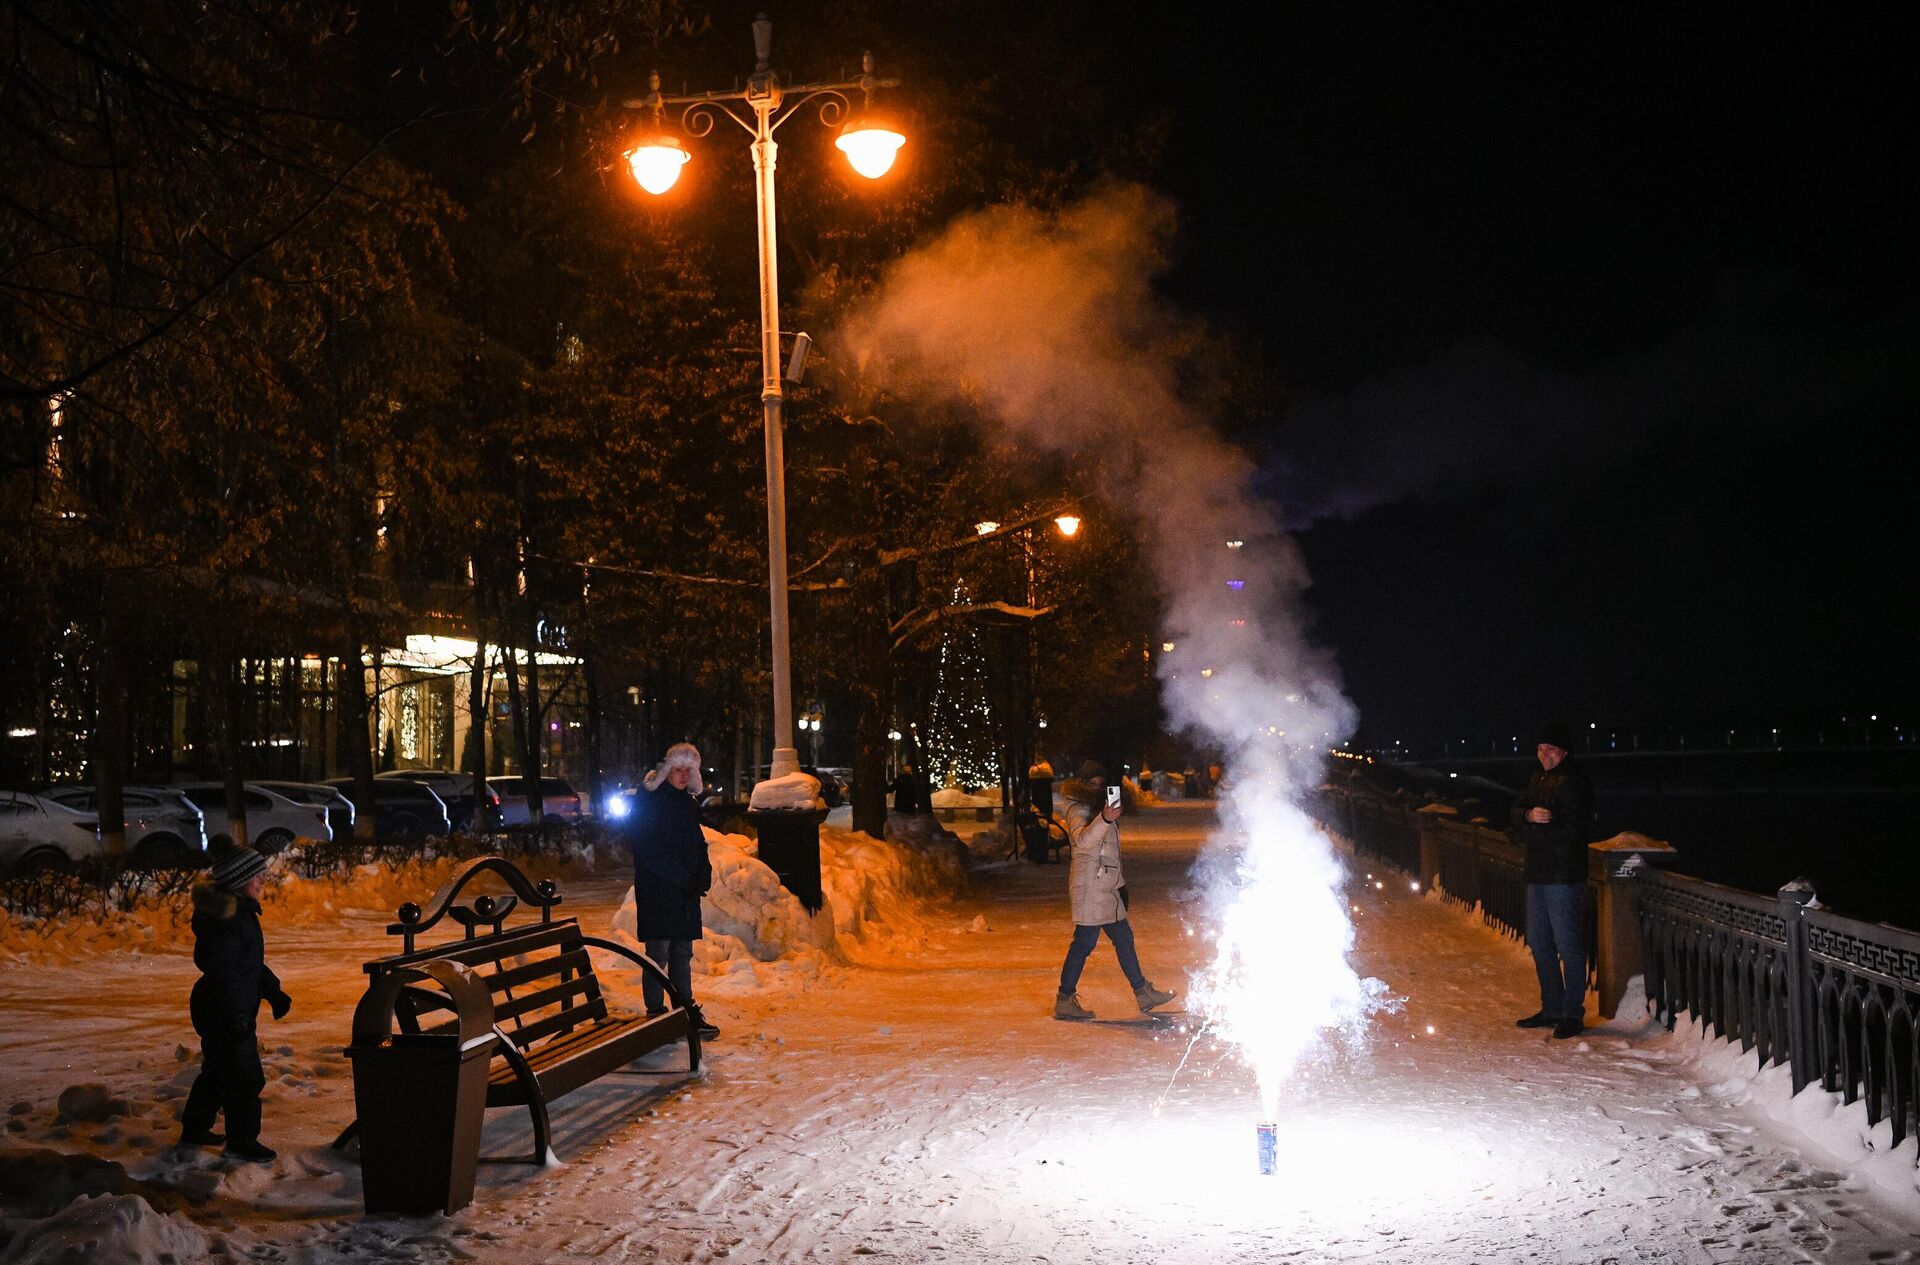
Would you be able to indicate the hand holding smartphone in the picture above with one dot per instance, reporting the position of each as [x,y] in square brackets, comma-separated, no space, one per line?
[1113,799]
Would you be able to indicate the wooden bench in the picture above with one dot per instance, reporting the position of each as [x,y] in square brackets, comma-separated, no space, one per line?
[555,1028]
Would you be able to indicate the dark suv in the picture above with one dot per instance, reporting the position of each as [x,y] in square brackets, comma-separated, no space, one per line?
[455,790]
[401,809]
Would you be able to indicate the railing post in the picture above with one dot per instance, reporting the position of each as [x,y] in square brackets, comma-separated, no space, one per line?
[1794,899]
[1429,852]
[1617,921]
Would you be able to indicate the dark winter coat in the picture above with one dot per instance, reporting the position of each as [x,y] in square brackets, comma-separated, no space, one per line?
[232,957]
[671,871]
[910,794]
[1556,850]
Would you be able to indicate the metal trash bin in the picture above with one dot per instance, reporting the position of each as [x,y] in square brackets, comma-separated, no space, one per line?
[421,1098]
[790,847]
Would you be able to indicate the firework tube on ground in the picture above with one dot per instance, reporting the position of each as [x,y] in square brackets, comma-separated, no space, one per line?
[1264,1133]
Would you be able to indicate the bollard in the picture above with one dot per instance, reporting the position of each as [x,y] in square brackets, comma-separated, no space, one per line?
[790,847]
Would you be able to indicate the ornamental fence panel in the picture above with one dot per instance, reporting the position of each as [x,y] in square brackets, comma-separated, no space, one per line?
[1835,999]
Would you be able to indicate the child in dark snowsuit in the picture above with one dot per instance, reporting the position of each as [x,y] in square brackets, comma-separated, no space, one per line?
[234,979]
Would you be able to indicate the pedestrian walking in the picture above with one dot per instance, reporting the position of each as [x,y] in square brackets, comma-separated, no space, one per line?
[1553,820]
[230,951]
[671,873]
[1099,893]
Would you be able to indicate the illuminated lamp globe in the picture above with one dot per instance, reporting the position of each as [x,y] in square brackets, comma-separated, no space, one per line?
[870,144]
[1069,524]
[656,162]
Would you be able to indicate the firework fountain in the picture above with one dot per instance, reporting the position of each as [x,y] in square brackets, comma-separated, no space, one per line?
[1050,324]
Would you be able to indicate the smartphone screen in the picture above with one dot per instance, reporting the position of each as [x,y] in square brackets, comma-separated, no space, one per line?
[1113,797]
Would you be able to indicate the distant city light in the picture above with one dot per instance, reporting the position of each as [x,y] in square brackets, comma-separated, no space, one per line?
[1237,623]
[1167,647]
[25,731]
[1235,544]
[987,527]
[1236,585]
[894,734]
[1206,671]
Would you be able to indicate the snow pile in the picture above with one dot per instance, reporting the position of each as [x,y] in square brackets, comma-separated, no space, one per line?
[1839,1128]
[954,797]
[108,1230]
[876,894]
[795,791]
[1139,796]
[291,900]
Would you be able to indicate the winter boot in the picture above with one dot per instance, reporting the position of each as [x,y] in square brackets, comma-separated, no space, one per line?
[252,1152]
[1148,996]
[200,1137]
[1067,1006]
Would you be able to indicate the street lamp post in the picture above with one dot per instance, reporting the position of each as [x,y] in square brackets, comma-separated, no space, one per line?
[870,144]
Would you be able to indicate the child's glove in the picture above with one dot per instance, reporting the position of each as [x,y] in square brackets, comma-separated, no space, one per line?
[280,1004]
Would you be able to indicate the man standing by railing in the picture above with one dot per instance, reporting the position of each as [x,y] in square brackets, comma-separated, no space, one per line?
[1553,820]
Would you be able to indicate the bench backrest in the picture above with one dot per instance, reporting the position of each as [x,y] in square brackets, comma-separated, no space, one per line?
[541,979]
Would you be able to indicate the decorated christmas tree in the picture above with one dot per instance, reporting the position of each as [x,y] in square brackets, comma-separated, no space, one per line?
[960,742]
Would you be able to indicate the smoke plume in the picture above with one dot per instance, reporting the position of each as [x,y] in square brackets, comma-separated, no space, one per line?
[1050,324]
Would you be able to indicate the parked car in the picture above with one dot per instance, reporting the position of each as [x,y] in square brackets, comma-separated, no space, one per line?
[163,826]
[401,809]
[455,789]
[559,802]
[43,834]
[339,809]
[832,790]
[274,820]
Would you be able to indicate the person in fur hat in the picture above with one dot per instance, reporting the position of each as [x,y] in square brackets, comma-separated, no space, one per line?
[234,979]
[1099,894]
[671,873]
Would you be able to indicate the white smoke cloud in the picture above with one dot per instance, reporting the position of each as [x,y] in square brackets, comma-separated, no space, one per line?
[1049,323]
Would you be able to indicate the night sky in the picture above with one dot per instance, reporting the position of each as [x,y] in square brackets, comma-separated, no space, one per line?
[1596,335]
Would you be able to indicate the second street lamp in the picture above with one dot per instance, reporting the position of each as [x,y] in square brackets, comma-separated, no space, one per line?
[870,143]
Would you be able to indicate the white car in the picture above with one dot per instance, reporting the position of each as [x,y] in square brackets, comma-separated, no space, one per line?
[163,826]
[274,820]
[559,802]
[339,809]
[43,834]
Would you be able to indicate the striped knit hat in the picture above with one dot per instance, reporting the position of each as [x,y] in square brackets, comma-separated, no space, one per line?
[231,872]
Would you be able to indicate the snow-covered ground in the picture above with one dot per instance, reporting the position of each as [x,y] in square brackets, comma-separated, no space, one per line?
[909,1097]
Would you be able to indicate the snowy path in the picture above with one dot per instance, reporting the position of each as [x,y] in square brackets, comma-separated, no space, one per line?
[930,1109]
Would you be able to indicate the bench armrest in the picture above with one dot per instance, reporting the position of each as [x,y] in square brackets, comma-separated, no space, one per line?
[641,960]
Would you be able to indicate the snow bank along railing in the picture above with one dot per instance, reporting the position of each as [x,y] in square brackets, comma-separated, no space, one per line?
[556,1032]
[1834,998]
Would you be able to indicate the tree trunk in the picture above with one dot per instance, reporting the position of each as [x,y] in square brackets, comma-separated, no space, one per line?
[479,717]
[354,728]
[225,676]
[110,741]
[593,732]
[873,702]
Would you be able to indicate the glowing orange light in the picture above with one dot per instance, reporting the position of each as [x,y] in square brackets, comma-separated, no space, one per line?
[656,162]
[870,145]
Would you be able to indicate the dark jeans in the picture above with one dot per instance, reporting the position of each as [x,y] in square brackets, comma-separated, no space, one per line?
[1084,940]
[1557,935]
[230,1080]
[677,957]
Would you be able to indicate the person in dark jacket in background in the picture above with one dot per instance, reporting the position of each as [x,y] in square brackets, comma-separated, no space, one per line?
[232,956]
[671,873]
[910,795]
[1553,820]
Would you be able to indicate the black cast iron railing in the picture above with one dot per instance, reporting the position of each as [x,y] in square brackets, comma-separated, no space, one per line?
[1835,999]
